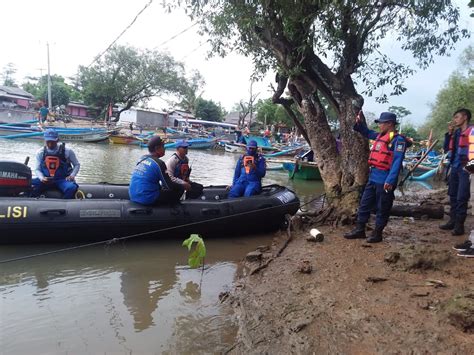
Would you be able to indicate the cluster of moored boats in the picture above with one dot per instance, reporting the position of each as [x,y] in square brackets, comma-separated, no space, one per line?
[290,157]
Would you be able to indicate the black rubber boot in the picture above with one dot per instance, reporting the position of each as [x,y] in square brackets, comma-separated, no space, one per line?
[450,224]
[357,232]
[459,226]
[377,235]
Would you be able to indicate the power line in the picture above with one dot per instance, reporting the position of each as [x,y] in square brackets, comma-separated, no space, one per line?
[121,34]
[194,50]
[178,34]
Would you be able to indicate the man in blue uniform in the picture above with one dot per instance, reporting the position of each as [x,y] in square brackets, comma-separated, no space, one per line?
[150,184]
[385,162]
[248,174]
[56,167]
[456,142]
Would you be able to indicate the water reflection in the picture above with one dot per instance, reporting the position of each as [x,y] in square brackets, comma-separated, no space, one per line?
[142,286]
[132,297]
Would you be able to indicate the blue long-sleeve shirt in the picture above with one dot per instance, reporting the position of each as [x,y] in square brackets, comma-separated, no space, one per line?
[398,146]
[254,175]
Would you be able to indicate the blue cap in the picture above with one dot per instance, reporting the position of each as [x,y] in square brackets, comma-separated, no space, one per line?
[252,144]
[182,144]
[387,117]
[51,135]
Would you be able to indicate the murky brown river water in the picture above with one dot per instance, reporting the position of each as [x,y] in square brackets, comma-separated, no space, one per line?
[136,297]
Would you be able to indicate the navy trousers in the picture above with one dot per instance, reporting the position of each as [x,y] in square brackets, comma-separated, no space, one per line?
[375,197]
[68,188]
[459,192]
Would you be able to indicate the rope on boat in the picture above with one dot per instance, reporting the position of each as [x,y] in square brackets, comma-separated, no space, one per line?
[115,240]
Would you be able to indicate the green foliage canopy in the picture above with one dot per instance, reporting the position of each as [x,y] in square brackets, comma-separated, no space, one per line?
[339,38]
[127,76]
[457,93]
[208,110]
[61,92]
[191,92]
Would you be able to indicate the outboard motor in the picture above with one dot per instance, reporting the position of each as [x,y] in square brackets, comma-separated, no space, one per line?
[15,178]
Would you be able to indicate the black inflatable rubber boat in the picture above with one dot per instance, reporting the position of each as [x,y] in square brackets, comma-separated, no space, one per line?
[103,211]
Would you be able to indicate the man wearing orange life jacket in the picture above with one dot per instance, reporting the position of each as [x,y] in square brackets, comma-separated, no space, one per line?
[177,167]
[248,174]
[56,167]
[456,141]
[385,162]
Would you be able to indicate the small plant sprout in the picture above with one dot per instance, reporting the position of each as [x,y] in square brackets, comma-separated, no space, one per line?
[197,255]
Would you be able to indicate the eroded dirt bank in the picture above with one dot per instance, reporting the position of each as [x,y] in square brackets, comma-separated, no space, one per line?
[409,294]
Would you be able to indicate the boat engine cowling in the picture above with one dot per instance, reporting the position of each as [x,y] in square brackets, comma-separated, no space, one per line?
[15,178]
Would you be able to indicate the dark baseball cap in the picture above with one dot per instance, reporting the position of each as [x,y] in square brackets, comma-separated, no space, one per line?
[155,142]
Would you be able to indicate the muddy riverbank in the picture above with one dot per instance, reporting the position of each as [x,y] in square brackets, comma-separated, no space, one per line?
[410,293]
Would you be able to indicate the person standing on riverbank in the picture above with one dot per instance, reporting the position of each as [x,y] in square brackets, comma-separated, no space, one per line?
[456,142]
[150,184]
[385,161]
[179,170]
[43,113]
[56,167]
[248,174]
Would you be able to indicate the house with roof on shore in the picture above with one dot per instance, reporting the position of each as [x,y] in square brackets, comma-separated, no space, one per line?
[15,98]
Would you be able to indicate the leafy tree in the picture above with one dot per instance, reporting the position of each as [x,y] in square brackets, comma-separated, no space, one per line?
[8,71]
[191,92]
[266,112]
[410,131]
[319,49]
[61,92]
[129,76]
[272,113]
[400,111]
[208,110]
[457,93]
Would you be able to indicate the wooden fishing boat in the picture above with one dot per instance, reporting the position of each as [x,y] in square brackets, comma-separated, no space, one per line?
[196,143]
[302,170]
[126,139]
[65,134]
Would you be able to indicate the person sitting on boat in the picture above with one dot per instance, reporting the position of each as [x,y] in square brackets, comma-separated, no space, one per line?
[249,171]
[177,167]
[56,167]
[385,161]
[150,184]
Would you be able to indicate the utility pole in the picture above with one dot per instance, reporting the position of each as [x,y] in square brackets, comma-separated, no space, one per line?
[49,80]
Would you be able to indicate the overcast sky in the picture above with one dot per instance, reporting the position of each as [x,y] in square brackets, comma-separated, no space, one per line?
[79,30]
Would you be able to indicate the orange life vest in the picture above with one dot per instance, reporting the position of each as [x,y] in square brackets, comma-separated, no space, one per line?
[470,141]
[465,145]
[247,160]
[52,164]
[381,156]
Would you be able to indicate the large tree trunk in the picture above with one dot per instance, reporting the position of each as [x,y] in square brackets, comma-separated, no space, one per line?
[344,173]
